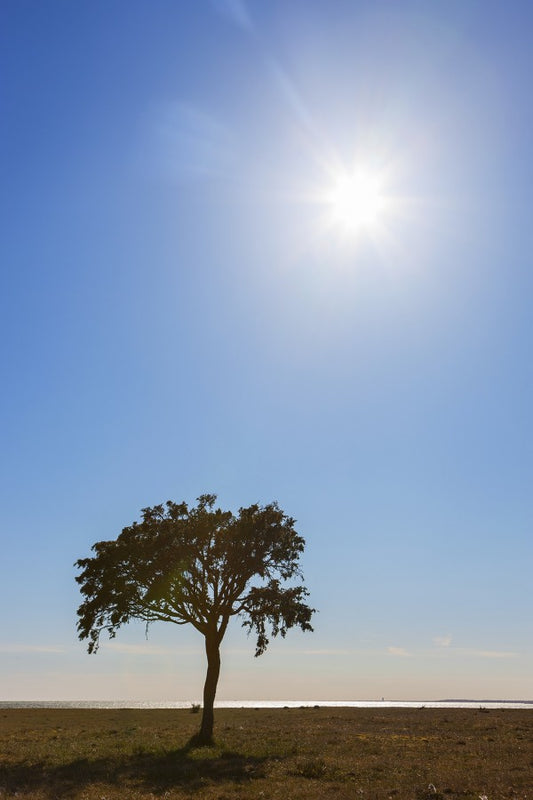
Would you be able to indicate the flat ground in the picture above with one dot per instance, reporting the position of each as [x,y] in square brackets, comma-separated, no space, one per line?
[402,754]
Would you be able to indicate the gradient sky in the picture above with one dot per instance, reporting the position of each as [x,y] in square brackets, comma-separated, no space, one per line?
[180,316]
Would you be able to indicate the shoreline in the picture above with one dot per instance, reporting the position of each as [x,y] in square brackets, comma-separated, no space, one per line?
[265,704]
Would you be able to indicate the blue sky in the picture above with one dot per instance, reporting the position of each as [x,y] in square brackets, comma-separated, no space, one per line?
[183,312]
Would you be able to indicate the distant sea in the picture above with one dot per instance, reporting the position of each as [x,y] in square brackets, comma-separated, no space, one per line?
[476,704]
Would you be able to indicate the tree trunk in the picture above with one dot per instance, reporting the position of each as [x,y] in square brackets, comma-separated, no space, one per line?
[213,670]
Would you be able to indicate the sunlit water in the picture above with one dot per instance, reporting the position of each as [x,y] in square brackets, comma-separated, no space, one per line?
[267,704]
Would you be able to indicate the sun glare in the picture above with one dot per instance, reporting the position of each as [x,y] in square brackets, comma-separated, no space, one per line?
[356,201]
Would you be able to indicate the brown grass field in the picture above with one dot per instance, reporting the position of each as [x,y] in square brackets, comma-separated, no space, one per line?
[402,754]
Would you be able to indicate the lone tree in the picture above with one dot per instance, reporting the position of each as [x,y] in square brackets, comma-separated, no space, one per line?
[201,566]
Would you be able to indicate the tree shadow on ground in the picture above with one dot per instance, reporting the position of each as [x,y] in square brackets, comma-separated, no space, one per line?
[186,768]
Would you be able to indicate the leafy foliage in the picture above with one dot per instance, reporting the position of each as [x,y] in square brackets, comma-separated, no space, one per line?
[198,565]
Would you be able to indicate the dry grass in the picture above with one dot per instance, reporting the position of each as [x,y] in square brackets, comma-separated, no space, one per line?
[281,753]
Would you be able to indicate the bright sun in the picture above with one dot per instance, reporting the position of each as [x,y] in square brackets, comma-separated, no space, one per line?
[356,201]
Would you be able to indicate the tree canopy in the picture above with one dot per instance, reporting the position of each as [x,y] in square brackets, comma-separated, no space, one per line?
[202,566]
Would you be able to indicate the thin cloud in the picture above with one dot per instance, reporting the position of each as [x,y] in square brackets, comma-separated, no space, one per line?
[470,652]
[148,649]
[442,641]
[188,142]
[236,11]
[31,648]
[494,654]
[398,651]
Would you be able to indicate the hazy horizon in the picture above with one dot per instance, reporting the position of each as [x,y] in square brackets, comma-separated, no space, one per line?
[188,704]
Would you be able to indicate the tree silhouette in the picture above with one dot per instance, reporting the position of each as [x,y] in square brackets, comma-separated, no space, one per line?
[198,566]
